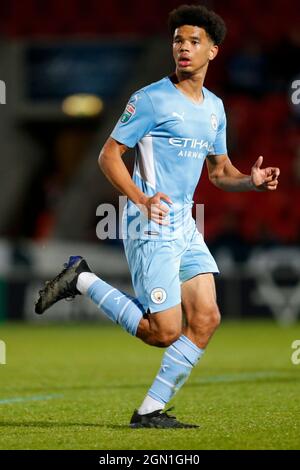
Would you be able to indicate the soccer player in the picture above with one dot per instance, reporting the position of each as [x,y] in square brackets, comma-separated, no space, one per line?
[175,125]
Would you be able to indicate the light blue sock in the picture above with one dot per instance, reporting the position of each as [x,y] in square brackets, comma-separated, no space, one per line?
[177,364]
[120,307]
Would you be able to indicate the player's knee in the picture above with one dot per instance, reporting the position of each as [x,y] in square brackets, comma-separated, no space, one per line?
[167,337]
[214,317]
[207,322]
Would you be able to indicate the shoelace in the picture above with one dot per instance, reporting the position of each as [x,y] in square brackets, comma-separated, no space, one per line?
[165,413]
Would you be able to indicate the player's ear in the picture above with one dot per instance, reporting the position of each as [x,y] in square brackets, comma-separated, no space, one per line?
[213,52]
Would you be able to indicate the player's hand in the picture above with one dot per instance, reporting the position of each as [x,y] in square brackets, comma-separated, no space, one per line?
[155,209]
[264,179]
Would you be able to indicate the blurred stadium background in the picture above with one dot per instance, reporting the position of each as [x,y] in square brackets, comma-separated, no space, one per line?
[245,394]
[49,179]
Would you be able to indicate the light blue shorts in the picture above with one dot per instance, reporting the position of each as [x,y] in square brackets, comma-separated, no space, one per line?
[158,268]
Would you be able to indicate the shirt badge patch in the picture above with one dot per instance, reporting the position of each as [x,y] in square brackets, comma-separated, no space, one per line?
[128,113]
[158,295]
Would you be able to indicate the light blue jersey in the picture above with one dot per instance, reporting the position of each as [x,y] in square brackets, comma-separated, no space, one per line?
[172,137]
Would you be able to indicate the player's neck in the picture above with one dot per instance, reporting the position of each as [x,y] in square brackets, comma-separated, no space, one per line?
[190,84]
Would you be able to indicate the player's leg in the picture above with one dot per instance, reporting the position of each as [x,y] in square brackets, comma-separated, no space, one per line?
[155,275]
[198,292]
[161,329]
[198,300]
[76,278]
[197,295]
[155,278]
[201,309]
[177,363]
[179,356]
[178,360]
[202,319]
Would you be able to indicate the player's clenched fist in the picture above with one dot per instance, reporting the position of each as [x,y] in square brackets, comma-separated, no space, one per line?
[155,209]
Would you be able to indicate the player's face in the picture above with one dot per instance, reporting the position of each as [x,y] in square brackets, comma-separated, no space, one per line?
[192,49]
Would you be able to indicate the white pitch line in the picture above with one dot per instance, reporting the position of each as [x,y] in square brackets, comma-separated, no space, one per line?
[6,401]
[243,376]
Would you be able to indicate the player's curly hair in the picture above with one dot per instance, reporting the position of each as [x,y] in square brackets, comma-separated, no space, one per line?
[198,15]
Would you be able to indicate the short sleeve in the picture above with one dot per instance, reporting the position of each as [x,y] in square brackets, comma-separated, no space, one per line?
[136,121]
[220,146]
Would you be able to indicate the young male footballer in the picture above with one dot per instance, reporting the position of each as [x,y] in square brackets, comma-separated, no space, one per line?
[174,125]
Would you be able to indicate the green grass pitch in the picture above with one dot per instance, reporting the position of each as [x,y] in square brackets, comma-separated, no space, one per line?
[75,387]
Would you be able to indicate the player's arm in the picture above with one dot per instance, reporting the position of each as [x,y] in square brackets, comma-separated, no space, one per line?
[227,177]
[111,163]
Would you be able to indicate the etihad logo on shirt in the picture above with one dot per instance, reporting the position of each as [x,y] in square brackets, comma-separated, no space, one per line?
[191,147]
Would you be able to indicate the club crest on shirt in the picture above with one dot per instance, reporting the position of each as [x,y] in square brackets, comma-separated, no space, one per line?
[128,113]
[214,122]
[158,295]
